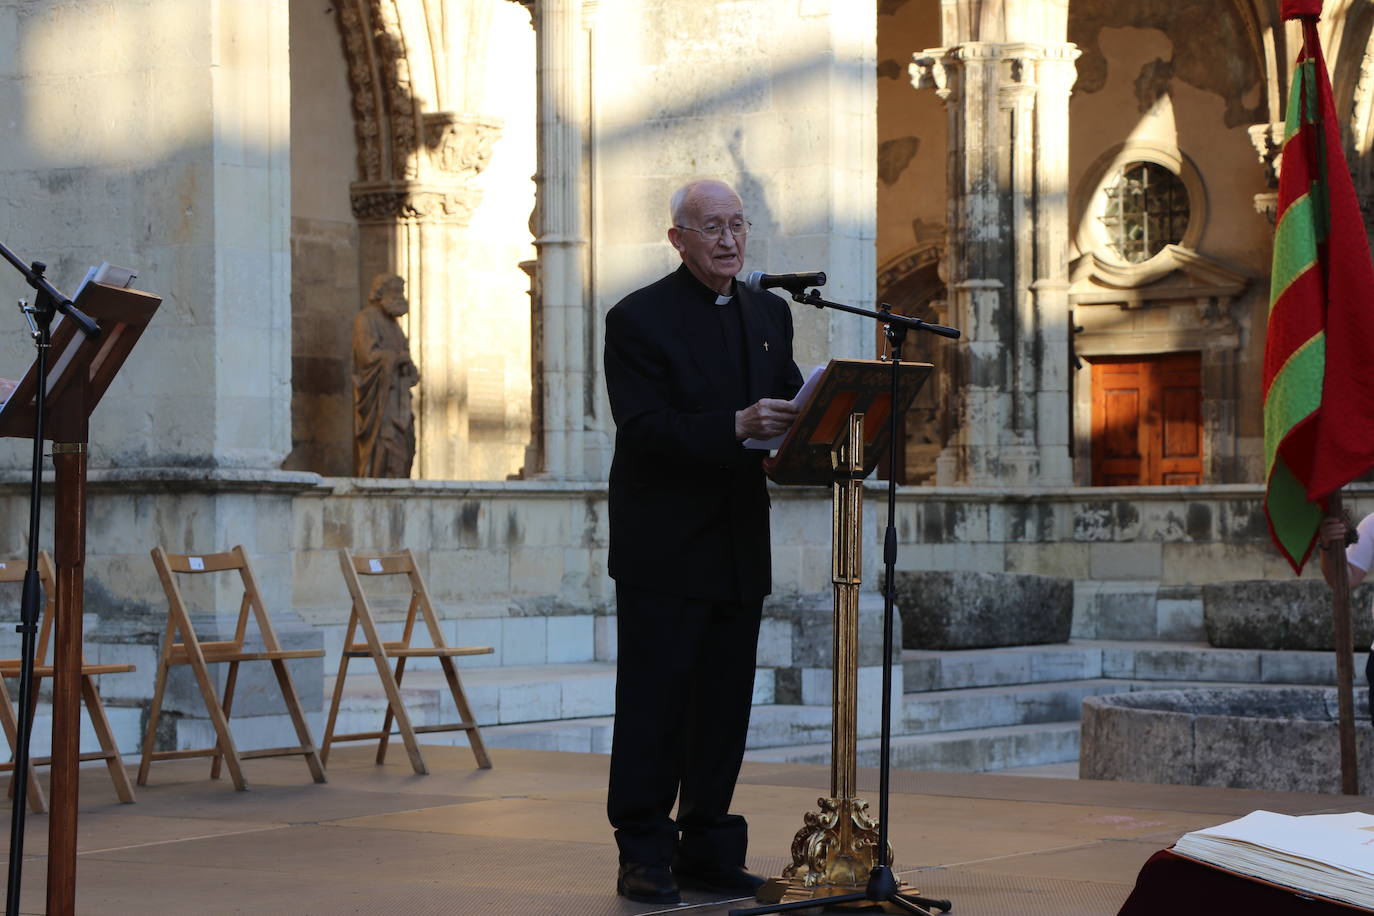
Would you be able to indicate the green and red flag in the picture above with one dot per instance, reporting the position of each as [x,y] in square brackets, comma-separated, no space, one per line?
[1319,349]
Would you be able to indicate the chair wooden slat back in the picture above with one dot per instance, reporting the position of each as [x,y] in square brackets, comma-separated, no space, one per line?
[12,571]
[420,607]
[182,646]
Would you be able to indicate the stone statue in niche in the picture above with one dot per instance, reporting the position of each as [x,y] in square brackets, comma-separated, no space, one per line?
[383,374]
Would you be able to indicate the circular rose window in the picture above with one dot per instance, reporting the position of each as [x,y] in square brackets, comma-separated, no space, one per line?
[1146,209]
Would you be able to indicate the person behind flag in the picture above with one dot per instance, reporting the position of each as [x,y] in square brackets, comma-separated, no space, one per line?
[1360,558]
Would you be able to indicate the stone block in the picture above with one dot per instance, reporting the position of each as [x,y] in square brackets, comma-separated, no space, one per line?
[920,673]
[1112,746]
[606,639]
[1315,668]
[1293,614]
[1216,665]
[1066,560]
[1051,664]
[981,670]
[479,631]
[571,639]
[965,610]
[1180,619]
[775,644]
[764,692]
[1118,663]
[584,697]
[810,620]
[1138,560]
[816,684]
[1125,613]
[529,702]
[524,641]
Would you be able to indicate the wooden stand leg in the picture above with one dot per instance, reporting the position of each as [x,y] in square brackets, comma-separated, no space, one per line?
[69,460]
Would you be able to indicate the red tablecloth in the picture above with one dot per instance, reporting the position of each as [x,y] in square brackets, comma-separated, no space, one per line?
[1172,884]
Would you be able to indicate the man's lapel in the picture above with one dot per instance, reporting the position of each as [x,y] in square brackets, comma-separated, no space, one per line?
[698,332]
[759,353]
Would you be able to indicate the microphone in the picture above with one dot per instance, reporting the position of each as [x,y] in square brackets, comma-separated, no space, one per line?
[794,283]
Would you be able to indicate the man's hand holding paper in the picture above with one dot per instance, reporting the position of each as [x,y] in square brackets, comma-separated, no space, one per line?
[777,412]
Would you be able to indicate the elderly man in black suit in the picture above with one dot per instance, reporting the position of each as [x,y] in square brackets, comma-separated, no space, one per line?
[695,364]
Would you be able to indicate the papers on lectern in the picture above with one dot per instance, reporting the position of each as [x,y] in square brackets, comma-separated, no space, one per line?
[812,380]
[110,275]
[1330,855]
[106,273]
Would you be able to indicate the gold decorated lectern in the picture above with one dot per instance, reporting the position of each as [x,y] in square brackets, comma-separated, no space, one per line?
[836,441]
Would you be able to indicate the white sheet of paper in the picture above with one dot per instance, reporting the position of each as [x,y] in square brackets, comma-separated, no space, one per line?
[812,380]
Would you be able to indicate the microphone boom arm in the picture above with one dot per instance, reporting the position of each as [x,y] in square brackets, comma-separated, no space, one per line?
[886,315]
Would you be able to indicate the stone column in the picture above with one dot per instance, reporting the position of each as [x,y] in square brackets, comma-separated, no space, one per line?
[1007,102]
[561,239]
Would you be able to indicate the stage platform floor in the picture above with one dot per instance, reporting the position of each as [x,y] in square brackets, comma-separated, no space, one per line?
[530,837]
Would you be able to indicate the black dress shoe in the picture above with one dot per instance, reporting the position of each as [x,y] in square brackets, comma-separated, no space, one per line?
[647,883]
[729,879]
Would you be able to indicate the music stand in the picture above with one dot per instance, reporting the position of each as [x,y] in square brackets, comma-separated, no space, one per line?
[79,373]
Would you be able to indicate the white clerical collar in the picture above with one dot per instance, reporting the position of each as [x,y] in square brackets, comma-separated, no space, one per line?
[724,300]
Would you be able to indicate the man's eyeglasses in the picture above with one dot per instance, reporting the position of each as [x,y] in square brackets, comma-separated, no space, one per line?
[712,232]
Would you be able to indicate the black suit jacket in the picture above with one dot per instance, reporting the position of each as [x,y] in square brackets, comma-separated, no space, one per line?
[688,504]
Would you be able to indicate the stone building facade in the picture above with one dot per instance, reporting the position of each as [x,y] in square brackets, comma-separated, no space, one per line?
[1082,186]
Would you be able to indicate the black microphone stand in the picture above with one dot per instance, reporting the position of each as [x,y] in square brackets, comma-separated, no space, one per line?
[39,317]
[882,883]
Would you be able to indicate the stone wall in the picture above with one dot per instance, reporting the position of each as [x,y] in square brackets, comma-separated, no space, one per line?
[520,565]
[169,157]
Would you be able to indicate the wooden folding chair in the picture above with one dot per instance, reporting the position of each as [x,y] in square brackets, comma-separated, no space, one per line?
[181,646]
[399,563]
[13,571]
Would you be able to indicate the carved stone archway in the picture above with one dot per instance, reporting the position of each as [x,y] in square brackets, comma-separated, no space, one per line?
[913,284]
[415,192]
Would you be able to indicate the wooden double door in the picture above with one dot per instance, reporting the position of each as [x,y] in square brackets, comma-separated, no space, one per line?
[1147,420]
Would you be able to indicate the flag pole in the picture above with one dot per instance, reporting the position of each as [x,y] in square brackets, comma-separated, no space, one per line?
[1345,661]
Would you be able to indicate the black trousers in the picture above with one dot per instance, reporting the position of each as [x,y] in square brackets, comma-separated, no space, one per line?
[684,686]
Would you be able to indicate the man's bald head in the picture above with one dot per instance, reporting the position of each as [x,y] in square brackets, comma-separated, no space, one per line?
[686,200]
[702,208]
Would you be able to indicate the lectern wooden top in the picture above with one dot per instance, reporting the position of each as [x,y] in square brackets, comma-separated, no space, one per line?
[848,386]
[80,369]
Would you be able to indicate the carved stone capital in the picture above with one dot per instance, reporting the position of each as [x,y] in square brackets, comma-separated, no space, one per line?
[459,145]
[1268,142]
[390,202]
[931,70]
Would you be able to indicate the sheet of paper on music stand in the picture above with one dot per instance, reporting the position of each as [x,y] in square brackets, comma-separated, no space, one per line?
[812,380]
[106,273]
[109,274]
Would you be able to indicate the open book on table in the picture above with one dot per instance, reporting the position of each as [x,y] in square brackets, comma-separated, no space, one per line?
[1328,855]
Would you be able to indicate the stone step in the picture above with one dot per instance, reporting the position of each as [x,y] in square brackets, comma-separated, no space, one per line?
[499,696]
[925,670]
[989,707]
[969,751]
[512,694]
